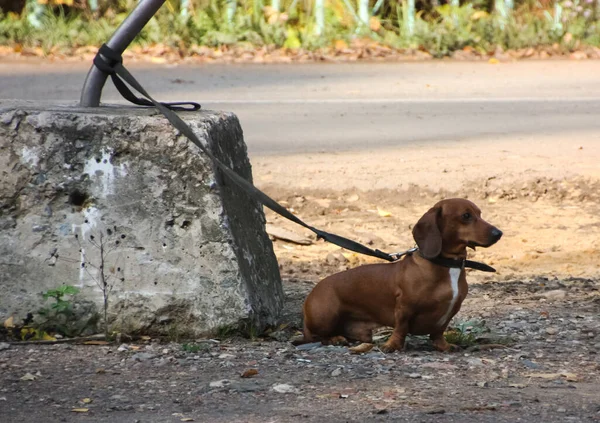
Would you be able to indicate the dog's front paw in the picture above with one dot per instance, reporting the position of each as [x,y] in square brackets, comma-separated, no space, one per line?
[444,346]
[389,347]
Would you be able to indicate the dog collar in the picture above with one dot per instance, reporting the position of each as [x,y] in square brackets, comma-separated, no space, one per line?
[459,263]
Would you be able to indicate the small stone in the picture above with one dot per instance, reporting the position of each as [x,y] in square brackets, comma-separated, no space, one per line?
[561,410]
[225,355]
[414,375]
[530,364]
[219,383]
[28,377]
[123,347]
[4,346]
[475,362]
[336,372]
[143,356]
[551,331]
[284,388]
[557,294]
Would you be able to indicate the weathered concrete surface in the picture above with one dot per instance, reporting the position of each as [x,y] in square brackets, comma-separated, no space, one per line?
[185,252]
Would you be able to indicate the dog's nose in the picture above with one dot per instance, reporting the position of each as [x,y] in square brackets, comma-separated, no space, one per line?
[496,234]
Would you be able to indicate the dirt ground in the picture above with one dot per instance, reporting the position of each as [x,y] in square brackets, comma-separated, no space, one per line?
[545,299]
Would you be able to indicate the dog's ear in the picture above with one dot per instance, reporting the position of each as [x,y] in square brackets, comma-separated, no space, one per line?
[427,234]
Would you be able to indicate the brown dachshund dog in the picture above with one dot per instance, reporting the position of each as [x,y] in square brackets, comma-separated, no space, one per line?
[414,295]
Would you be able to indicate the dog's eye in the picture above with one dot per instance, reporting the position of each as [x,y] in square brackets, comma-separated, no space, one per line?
[466,217]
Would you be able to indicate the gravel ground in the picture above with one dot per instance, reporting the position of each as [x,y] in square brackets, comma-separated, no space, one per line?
[543,303]
[549,372]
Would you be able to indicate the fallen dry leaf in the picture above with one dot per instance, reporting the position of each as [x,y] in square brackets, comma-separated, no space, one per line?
[96,343]
[28,376]
[374,23]
[80,410]
[383,213]
[340,45]
[187,419]
[9,323]
[86,400]
[571,377]
[361,348]
[493,61]
[249,373]
[516,385]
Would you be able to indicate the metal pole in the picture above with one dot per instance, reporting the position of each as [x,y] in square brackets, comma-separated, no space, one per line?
[123,36]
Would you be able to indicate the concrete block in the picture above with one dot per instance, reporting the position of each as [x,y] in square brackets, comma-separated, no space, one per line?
[116,194]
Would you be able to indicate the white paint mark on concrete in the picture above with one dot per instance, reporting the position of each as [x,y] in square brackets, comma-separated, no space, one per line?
[29,156]
[102,170]
[454,275]
[92,217]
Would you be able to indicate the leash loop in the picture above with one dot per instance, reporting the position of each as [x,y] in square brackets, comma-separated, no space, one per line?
[109,61]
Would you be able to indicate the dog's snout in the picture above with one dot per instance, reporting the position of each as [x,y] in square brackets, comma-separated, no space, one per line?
[496,234]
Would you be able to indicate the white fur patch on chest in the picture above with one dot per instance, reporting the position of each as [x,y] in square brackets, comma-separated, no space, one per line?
[454,275]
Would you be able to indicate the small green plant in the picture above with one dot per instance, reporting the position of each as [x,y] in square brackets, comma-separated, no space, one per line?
[59,316]
[227,331]
[61,305]
[466,334]
[191,348]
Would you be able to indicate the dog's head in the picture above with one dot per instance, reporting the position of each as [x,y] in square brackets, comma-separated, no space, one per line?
[451,226]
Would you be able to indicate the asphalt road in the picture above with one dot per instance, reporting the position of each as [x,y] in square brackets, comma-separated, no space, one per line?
[338,107]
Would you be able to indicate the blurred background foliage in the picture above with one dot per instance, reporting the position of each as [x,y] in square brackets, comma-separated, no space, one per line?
[429,25]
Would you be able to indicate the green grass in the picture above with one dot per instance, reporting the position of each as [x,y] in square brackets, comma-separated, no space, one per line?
[440,31]
[470,333]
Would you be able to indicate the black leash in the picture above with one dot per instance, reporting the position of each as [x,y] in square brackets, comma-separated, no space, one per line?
[111,63]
